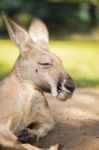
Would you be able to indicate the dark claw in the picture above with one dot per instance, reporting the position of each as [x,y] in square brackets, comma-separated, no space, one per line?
[25,137]
[60,146]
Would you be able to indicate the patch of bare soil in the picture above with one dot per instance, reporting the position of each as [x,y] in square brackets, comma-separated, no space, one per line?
[77,121]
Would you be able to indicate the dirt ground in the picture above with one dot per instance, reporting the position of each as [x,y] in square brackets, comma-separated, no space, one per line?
[77,121]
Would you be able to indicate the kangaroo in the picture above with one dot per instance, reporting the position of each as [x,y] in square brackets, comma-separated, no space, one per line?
[24,112]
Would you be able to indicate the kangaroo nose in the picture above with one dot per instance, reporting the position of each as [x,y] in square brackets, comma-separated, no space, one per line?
[70,85]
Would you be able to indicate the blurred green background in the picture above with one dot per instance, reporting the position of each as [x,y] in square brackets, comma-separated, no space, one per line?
[74,34]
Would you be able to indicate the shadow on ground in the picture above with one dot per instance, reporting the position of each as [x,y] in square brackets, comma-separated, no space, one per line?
[82,136]
[77,126]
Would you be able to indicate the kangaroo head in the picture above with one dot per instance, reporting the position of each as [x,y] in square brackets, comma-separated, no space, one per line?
[36,63]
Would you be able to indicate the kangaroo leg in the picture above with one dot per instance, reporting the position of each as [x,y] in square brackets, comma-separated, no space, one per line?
[55,147]
[7,138]
[43,125]
[35,131]
[8,141]
[42,130]
[43,119]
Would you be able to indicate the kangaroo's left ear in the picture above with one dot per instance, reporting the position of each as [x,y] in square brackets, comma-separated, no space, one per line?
[39,33]
[17,33]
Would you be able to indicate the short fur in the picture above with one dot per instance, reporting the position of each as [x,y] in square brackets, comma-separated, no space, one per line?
[22,101]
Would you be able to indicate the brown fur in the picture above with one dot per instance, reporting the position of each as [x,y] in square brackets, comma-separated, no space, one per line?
[22,100]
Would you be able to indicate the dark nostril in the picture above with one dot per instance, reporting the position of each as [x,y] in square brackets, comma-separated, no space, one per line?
[70,85]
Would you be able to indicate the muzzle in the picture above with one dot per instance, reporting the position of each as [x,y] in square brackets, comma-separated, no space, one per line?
[65,89]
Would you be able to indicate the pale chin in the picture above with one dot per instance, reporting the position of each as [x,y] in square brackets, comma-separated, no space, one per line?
[63,96]
[60,93]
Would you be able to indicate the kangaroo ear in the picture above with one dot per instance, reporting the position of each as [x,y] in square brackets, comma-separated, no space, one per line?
[17,33]
[39,33]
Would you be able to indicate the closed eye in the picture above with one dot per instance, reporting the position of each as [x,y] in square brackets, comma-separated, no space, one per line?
[45,64]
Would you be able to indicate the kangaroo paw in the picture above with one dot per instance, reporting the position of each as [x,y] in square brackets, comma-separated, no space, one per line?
[25,137]
[60,146]
[56,147]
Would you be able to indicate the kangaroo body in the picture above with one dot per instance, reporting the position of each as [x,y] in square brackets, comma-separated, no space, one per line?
[24,112]
[25,103]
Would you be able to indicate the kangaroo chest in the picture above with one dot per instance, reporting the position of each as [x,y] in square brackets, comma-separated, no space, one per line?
[33,103]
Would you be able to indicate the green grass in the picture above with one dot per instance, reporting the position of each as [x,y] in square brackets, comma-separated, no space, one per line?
[80,59]
[8,55]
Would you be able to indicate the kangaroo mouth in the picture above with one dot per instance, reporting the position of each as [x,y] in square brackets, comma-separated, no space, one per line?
[59,91]
[63,94]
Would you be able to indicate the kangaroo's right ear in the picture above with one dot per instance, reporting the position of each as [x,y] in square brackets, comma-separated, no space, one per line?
[39,33]
[17,33]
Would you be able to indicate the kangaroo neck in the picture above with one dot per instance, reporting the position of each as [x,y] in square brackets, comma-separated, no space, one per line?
[23,82]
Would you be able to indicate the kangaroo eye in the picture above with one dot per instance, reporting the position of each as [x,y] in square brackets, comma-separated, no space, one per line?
[45,64]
